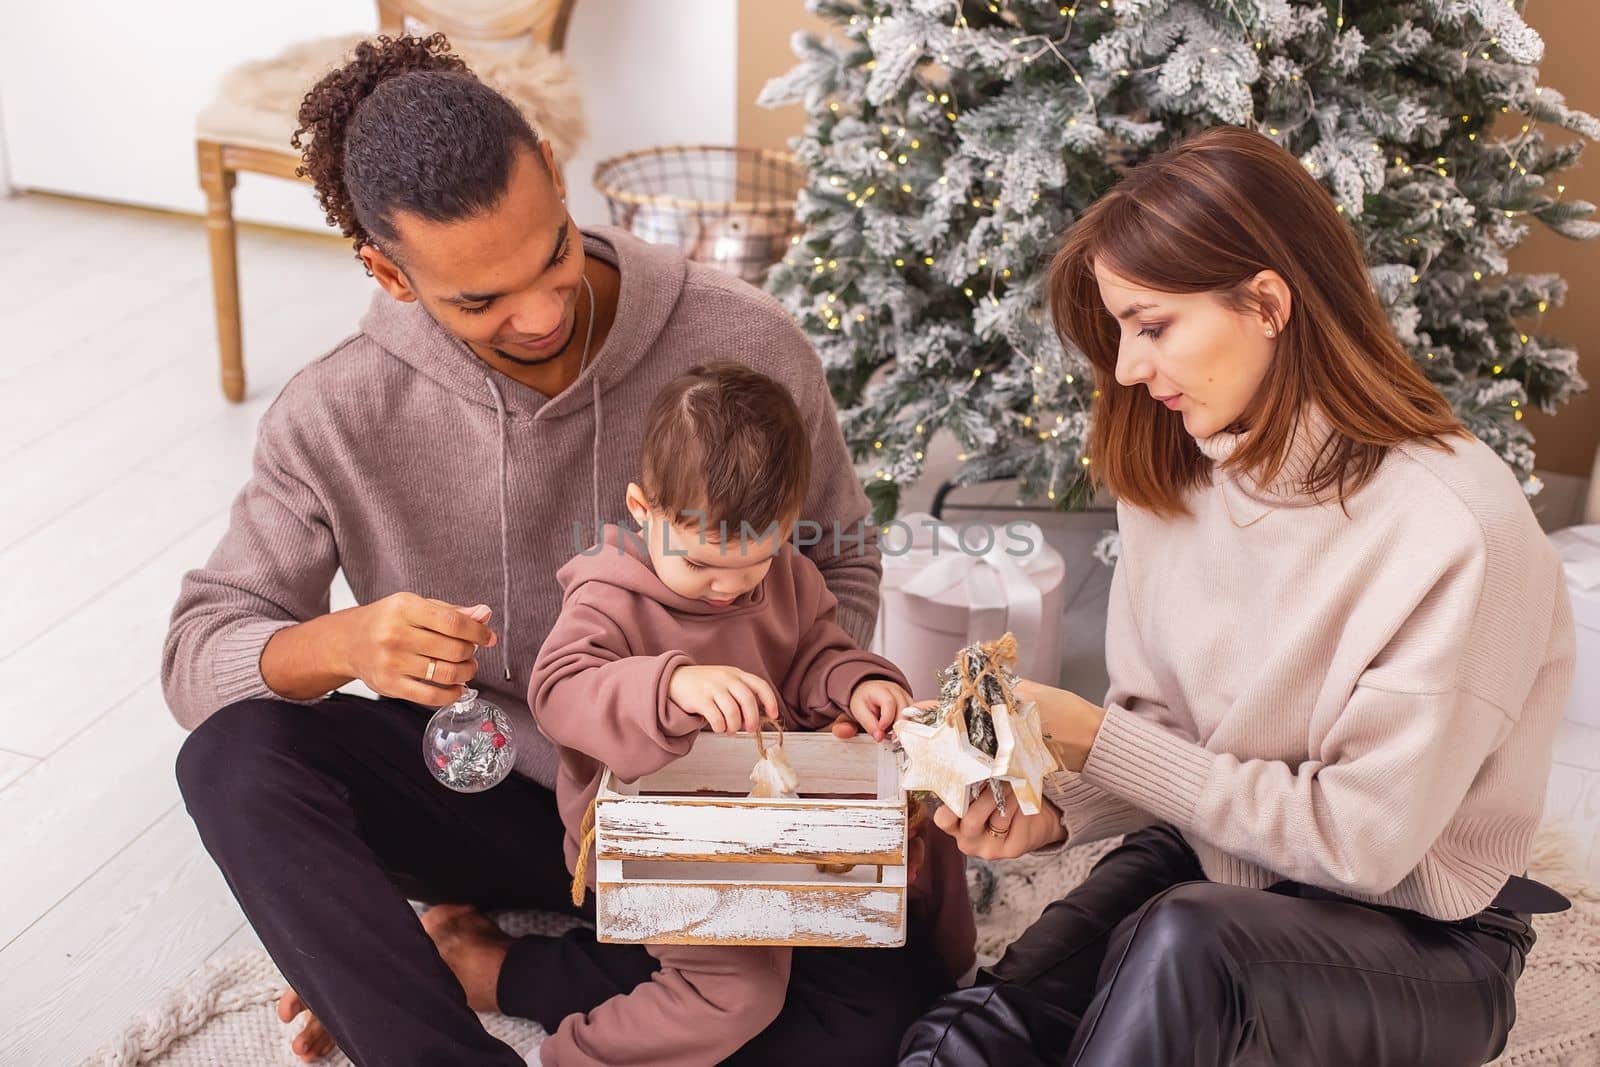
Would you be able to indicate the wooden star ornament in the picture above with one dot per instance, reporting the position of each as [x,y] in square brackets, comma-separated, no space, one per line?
[1021,758]
[940,760]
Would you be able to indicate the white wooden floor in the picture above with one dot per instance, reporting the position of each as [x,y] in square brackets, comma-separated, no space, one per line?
[118,460]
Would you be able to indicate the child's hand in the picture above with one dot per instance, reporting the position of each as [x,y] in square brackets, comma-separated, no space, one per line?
[875,704]
[726,697]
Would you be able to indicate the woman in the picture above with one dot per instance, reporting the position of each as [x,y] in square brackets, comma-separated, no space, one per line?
[1338,647]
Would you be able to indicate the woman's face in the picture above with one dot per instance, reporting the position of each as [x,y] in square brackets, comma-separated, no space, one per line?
[1191,351]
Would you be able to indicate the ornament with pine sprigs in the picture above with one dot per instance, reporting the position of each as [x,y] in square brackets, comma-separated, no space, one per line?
[468,744]
[978,736]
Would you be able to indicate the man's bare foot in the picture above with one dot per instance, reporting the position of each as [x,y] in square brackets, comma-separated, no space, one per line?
[313,1041]
[473,947]
[470,944]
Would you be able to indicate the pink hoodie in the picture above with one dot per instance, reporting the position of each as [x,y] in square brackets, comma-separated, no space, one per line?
[599,692]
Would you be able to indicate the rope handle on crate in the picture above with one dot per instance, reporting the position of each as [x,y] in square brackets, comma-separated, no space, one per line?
[580,868]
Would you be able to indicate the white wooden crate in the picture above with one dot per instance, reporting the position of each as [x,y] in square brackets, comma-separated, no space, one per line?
[685,856]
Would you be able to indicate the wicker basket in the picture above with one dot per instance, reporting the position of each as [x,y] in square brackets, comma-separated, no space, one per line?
[730,207]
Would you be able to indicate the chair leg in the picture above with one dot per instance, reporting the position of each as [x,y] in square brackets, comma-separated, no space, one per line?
[217,182]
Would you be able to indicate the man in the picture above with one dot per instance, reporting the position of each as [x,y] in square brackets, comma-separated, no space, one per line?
[449,457]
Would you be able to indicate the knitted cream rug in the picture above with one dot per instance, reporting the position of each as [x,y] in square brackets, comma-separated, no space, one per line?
[226,1012]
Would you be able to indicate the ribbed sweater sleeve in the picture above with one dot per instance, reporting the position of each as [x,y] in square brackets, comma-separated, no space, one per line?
[272,569]
[1088,811]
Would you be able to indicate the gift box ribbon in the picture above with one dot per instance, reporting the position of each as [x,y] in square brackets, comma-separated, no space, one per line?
[1000,590]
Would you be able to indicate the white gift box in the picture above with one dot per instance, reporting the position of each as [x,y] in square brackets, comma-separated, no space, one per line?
[1580,555]
[946,586]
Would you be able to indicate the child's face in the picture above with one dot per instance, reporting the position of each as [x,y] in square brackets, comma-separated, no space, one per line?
[694,564]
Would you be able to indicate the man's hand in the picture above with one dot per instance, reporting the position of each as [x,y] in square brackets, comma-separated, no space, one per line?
[390,643]
[875,704]
[726,697]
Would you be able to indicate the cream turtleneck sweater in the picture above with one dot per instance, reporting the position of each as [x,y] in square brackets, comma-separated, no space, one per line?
[1364,702]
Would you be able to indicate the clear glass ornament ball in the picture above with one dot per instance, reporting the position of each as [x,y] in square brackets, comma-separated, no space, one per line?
[468,744]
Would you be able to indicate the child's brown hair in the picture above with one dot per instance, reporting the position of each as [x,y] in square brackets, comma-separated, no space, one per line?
[725,448]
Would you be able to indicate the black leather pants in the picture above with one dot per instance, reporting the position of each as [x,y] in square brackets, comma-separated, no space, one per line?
[1147,964]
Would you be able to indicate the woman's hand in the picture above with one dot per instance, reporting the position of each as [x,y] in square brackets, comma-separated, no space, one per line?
[990,836]
[1070,722]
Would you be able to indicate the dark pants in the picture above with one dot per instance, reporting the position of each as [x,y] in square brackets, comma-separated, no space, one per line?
[324,820]
[1146,964]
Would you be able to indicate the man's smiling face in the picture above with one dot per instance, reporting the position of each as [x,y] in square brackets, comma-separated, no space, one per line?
[506,281]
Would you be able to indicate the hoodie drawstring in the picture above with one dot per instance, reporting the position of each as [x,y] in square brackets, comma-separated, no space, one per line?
[594,480]
[505,535]
[594,464]
[594,396]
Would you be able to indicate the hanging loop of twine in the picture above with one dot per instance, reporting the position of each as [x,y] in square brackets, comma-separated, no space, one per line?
[761,728]
[1001,652]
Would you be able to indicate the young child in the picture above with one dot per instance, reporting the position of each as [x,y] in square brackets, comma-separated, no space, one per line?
[695,630]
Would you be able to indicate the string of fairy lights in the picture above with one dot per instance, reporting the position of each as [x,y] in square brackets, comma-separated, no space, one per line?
[898,151]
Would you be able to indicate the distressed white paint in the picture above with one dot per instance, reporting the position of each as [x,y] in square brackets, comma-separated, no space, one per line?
[664,912]
[736,869]
[941,759]
[770,827]
[1021,758]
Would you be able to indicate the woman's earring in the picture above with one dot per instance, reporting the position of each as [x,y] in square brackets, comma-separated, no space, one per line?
[1271,332]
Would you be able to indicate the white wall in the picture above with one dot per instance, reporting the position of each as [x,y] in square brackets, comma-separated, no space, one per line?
[5,169]
[653,73]
[98,97]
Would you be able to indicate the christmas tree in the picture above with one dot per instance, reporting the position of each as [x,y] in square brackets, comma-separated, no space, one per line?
[949,144]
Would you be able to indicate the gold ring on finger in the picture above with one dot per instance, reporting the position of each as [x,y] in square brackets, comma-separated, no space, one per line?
[433,665]
[995,831]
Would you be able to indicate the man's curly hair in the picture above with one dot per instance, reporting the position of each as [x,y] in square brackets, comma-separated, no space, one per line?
[405,126]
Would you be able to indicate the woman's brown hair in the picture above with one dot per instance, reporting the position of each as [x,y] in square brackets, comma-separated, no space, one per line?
[1207,216]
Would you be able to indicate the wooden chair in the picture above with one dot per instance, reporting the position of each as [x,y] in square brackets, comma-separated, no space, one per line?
[514,45]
